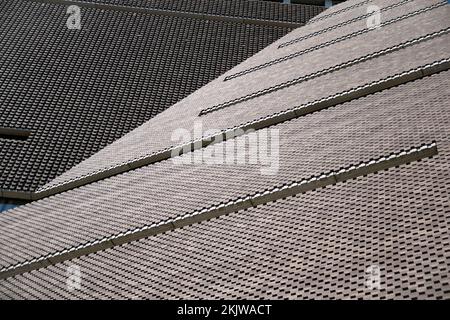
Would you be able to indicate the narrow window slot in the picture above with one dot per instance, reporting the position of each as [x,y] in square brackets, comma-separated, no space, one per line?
[14,134]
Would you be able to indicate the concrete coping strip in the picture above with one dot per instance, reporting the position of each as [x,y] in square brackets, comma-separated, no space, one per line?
[323,45]
[323,72]
[329,15]
[173,13]
[361,17]
[264,122]
[234,205]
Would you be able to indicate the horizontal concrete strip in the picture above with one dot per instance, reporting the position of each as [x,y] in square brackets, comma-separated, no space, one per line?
[14,132]
[323,72]
[365,16]
[170,13]
[325,44]
[256,124]
[329,15]
[278,192]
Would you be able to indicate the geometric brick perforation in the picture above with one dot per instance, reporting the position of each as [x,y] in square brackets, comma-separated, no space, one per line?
[243,202]
[322,72]
[137,146]
[256,124]
[364,16]
[389,121]
[322,45]
[353,205]
[315,245]
[338,11]
[80,90]
[261,10]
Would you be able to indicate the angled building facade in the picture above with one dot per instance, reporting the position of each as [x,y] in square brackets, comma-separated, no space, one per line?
[67,93]
[317,168]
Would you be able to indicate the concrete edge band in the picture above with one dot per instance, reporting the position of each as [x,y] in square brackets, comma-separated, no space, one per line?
[265,122]
[172,13]
[322,45]
[326,71]
[326,16]
[315,182]
[358,18]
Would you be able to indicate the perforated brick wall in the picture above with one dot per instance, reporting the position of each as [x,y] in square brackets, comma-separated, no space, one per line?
[297,13]
[79,90]
[268,101]
[392,120]
[315,245]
